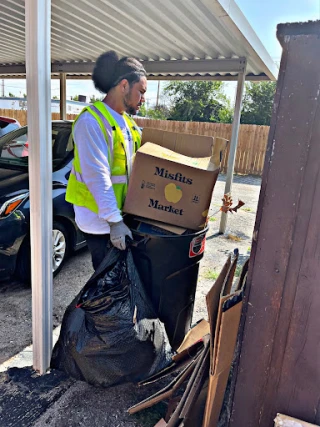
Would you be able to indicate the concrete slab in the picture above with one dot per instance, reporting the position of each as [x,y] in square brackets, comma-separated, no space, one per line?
[25,357]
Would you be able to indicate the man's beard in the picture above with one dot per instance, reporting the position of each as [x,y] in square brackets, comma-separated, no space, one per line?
[129,108]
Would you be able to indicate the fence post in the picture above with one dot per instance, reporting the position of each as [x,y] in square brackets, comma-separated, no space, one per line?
[63,96]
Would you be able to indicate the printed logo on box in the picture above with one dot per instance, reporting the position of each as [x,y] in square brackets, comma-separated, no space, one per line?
[195,199]
[197,246]
[164,173]
[169,208]
[148,185]
[172,193]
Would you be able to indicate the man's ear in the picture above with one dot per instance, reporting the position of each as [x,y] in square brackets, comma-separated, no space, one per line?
[124,85]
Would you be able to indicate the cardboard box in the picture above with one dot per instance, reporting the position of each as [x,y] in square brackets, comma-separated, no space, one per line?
[182,143]
[171,187]
[187,144]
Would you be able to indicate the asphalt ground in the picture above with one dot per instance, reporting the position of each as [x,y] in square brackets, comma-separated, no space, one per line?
[54,400]
[15,297]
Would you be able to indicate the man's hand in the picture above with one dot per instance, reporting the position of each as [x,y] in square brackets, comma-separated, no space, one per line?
[118,233]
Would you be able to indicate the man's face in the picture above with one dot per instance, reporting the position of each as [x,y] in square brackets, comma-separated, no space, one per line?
[134,96]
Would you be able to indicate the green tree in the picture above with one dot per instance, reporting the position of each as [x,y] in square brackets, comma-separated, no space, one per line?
[93,98]
[257,103]
[198,101]
[160,112]
[11,95]
[143,111]
[55,97]
[75,98]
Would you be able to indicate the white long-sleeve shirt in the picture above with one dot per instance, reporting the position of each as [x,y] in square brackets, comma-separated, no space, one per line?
[93,153]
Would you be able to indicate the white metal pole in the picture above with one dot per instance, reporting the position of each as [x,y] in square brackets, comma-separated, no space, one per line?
[158,94]
[233,143]
[38,70]
[63,96]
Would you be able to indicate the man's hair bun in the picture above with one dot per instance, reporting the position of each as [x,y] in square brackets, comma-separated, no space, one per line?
[110,70]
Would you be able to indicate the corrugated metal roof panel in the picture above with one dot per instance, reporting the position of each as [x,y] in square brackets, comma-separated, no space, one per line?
[151,30]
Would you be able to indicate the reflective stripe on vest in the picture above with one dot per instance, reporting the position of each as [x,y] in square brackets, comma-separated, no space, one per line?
[108,129]
[116,179]
[77,191]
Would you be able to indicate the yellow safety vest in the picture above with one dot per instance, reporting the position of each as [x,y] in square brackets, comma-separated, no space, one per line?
[77,192]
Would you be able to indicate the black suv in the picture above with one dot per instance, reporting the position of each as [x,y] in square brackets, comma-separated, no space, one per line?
[15,206]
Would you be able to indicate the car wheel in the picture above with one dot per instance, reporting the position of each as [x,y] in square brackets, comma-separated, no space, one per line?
[60,250]
[60,240]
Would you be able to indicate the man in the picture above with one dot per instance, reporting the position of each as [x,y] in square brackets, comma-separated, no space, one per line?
[106,139]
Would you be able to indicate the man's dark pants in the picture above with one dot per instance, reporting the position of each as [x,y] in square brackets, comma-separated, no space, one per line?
[98,246]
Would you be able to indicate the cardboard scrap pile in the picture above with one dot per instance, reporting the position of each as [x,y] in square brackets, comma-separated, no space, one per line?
[203,361]
[173,177]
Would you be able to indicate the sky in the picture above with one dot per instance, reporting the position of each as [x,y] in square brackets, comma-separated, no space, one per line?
[263,17]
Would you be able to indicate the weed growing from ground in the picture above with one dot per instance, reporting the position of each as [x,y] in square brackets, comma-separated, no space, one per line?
[211,274]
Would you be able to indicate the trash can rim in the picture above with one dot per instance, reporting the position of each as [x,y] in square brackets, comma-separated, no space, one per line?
[170,236]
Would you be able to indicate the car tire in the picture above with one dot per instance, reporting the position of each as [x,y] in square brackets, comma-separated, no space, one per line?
[61,247]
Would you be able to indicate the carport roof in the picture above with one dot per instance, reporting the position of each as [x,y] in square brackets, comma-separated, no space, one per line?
[176,39]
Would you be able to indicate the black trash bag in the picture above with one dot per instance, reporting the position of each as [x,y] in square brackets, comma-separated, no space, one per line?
[110,333]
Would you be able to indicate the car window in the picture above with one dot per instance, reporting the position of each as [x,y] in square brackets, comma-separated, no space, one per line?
[14,147]
[7,126]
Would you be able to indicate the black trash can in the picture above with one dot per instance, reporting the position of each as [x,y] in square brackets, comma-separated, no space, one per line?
[168,266]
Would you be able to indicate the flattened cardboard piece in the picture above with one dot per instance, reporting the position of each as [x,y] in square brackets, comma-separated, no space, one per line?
[165,392]
[286,421]
[243,275]
[225,294]
[195,417]
[195,334]
[171,228]
[230,318]
[229,278]
[177,365]
[176,419]
[215,347]
[189,349]
[197,385]
[171,188]
[212,300]
[172,406]
[161,423]
[189,352]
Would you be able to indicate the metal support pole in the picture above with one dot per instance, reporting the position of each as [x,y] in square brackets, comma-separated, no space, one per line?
[63,96]
[233,143]
[38,71]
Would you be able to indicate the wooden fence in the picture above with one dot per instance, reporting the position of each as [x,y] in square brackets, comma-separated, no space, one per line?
[21,115]
[252,141]
[252,138]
